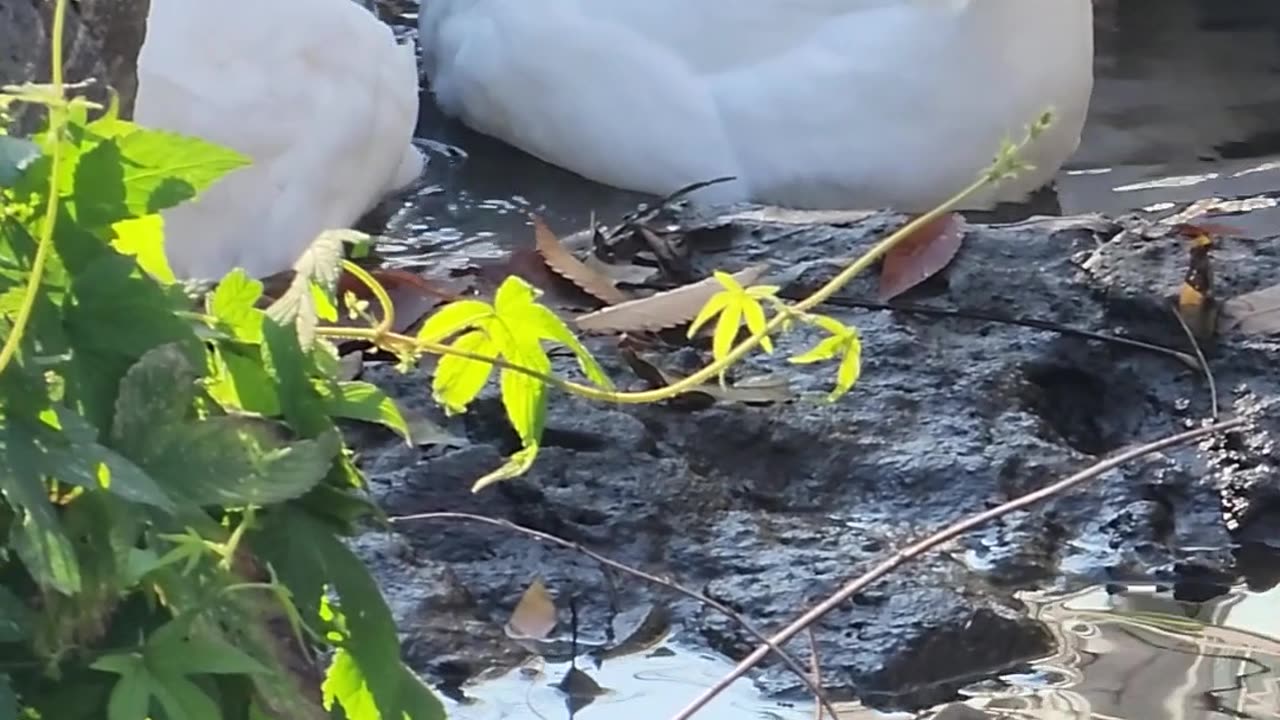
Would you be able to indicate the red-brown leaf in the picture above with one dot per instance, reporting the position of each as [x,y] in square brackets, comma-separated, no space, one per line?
[920,256]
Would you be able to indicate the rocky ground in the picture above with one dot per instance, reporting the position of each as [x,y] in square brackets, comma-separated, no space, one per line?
[769,507]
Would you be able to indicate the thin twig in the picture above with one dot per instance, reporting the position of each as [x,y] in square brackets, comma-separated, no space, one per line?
[1204,364]
[815,669]
[1178,355]
[793,664]
[942,536]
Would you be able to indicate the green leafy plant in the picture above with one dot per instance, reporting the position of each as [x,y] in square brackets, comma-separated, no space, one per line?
[175,488]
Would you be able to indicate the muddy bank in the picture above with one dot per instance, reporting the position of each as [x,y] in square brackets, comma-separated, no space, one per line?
[768,508]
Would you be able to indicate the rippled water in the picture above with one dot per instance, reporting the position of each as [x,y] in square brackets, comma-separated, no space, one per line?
[1187,88]
[1124,654]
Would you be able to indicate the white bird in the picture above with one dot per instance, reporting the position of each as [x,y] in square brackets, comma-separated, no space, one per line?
[317,93]
[827,104]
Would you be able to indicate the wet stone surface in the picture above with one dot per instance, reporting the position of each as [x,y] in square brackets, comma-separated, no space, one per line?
[769,508]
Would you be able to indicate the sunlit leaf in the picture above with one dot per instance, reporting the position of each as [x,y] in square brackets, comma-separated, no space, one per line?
[458,380]
[363,401]
[143,238]
[233,302]
[316,271]
[541,321]
[453,318]
[515,466]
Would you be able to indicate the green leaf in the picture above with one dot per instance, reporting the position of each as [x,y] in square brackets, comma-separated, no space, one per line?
[15,618]
[187,654]
[320,265]
[238,461]
[288,366]
[234,303]
[163,169]
[541,321]
[115,308]
[515,466]
[453,318]
[181,698]
[345,683]
[753,314]
[143,239]
[157,392]
[131,696]
[307,555]
[242,383]
[363,401]
[524,396]
[459,380]
[36,535]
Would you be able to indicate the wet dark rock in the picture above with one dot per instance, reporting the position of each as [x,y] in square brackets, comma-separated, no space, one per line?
[768,509]
[101,43]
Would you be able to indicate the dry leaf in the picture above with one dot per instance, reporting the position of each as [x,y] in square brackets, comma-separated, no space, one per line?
[425,431]
[628,274]
[351,365]
[535,615]
[566,265]
[1196,304]
[920,256]
[1253,313]
[665,309]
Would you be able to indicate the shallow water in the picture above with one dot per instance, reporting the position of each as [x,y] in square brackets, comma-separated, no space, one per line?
[1185,88]
[1124,654]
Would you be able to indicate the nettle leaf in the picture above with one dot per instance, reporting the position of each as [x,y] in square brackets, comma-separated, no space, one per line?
[242,383]
[309,296]
[289,367]
[36,535]
[363,401]
[154,169]
[115,307]
[156,392]
[238,461]
[234,302]
[142,238]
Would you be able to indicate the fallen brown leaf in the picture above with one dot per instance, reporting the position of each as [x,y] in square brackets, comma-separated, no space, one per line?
[920,256]
[662,310]
[535,615]
[1253,313]
[566,265]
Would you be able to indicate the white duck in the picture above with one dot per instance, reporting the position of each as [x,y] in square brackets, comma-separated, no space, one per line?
[317,93]
[826,104]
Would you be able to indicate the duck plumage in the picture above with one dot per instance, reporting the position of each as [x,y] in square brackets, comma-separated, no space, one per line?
[319,95]
[809,103]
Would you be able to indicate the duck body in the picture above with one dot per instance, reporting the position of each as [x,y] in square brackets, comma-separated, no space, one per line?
[824,104]
[317,93]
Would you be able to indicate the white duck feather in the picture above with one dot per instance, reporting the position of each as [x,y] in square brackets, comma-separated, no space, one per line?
[809,103]
[317,93]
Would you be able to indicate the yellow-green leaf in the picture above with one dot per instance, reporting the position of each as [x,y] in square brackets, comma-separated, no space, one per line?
[850,367]
[459,380]
[143,238]
[515,466]
[539,320]
[729,282]
[753,313]
[726,331]
[715,305]
[824,350]
[453,318]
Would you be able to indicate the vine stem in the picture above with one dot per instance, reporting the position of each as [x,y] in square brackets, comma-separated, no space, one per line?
[383,337]
[57,124]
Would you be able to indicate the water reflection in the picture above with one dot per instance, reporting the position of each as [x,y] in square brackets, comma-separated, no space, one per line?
[1132,654]
[1141,654]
